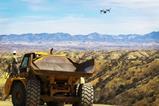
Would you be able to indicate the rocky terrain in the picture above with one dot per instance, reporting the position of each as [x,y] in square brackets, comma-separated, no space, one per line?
[122,77]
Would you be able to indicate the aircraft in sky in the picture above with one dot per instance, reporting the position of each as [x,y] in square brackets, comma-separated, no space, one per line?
[105,10]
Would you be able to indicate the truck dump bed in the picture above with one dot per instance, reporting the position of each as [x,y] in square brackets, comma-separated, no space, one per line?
[62,65]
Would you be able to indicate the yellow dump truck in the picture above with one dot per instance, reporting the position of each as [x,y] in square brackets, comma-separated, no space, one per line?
[54,80]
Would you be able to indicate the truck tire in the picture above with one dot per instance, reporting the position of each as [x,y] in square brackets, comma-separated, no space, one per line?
[55,104]
[33,92]
[86,95]
[18,94]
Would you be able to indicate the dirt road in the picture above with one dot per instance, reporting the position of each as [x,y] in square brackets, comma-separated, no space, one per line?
[8,103]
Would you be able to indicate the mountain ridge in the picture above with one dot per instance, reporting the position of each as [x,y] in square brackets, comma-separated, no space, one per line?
[92,37]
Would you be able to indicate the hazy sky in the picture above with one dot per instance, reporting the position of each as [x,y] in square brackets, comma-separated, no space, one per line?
[79,16]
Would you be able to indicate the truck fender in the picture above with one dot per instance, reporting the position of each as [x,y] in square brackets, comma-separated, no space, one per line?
[8,86]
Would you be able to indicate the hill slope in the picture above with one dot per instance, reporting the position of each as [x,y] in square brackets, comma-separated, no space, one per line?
[128,78]
[121,78]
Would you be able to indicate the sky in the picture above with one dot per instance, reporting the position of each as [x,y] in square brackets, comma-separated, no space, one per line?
[79,16]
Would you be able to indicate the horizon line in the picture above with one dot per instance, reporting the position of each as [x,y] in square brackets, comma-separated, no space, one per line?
[76,34]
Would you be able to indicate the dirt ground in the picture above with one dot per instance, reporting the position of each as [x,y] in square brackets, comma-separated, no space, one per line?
[9,103]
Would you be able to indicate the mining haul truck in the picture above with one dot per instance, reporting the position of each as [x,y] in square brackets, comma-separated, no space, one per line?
[49,79]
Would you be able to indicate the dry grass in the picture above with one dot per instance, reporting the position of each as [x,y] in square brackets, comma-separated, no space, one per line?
[121,77]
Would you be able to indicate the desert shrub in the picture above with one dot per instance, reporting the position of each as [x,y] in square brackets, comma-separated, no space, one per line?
[122,77]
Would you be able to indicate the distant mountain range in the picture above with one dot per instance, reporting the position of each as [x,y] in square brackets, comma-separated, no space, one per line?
[93,37]
[93,41]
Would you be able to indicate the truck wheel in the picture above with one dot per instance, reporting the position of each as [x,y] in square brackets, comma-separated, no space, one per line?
[55,104]
[86,95]
[33,93]
[18,94]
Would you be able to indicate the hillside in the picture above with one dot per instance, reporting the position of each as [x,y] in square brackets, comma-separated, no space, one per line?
[121,78]
[128,78]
